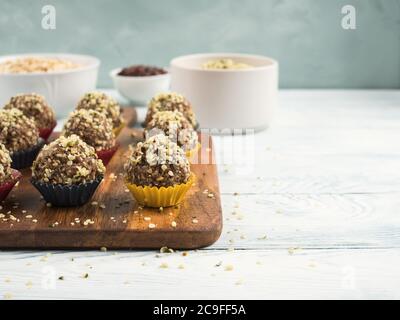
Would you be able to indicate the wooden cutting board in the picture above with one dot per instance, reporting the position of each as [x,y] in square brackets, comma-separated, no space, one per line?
[117,221]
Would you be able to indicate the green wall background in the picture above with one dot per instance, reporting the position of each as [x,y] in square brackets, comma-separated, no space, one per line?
[304,35]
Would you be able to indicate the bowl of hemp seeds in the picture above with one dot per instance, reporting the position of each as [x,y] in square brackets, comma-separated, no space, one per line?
[61,78]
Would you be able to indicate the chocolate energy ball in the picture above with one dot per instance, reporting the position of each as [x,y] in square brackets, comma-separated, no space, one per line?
[157,162]
[67,161]
[170,102]
[17,132]
[174,125]
[141,71]
[33,106]
[5,164]
[92,127]
[101,102]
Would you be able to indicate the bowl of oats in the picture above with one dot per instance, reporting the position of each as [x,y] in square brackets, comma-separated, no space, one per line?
[228,90]
[61,78]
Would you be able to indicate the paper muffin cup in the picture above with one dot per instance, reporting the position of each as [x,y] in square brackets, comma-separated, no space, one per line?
[118,130]
[24,158]
[155,197]
[106,155]
[6,187]
[45,133]
[67,195]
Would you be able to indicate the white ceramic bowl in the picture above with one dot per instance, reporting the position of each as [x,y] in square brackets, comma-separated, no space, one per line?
[244,98]
[62,89]
[140,90]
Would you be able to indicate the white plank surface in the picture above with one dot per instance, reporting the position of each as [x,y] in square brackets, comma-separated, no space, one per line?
[316,216]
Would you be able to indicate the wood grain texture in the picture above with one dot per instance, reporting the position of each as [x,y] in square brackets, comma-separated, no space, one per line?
[121,223]
[206,274]
[324,191]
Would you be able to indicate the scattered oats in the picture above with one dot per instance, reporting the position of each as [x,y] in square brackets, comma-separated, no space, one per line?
[49,205]
[263,238]
[185,254]
[205,191]
[87,222]
[7,296]
[293,250]
[127,191]
[34,221]
[102,206]
[173,224]
[24,211]
[124,221]
[147,219]
[72,223]
[166,250]
[95,203]
[195,221]
[103,249]
[161,209]
[152,226]
[229,267]
[135,212]
[29,216]
[181,266]
[210,195]
[164,265]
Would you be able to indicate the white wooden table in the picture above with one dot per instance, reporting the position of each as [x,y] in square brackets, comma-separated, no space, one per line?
[319,217]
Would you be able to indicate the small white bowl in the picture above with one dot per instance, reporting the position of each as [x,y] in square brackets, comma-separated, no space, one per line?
[228,99]
[140,90]
[62,89]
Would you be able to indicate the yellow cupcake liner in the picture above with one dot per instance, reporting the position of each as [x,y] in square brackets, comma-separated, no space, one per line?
[155,197]
[118,130]
[191,153]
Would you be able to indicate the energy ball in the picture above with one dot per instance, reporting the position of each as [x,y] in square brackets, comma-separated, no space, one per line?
[67,161]
[157,162]
[175,126]
[170,102]
[101,102]
[17,132]
[92,127]
[33,106]
[5,165]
